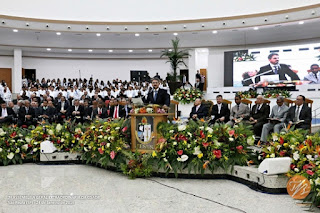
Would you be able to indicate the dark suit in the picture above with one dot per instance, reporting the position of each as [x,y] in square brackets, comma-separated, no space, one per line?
[224,112]
[202,111]
[60,114]
[199,86]
[305,114]
[261,116]
[163,98]
[284,69]
[22,116]
[9,117]
[49,111]
[104,113]
[87,111]
[77,117]
[122,111]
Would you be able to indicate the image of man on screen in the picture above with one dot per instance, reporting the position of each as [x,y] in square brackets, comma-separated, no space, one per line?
[275,68]
[313,76]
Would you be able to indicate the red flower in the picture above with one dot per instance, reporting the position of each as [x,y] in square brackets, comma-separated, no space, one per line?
[205,144]
[240,148]
[180,152]
[307,166]
[282,153]
[202,135]
[292,166]
[217,153]
[231,133]
[24,126]
[310,172]
[125,129]
[13,134]
[309,142]
[112,155]
[58,141]
[281,140]
[103,144]
[100,151]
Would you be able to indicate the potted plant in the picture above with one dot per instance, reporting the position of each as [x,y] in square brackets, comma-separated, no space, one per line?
[175,58]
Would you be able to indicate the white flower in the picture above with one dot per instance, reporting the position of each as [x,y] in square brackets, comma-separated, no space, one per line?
[62,140]
[181,127]
[296,170]
[24,147]
[108,145]
[117,128]
[3,133]
[0,149]
[217,144]
[105,137]
[296,156]
[259,157]
[272,155]
[210,130]
[165,160]
[149,110]
[18,150]
[174,143]
[309,157]
[189,145]
[35,149]
[85,149]
[317,181]
[190,135]
[171,131]
[201,127]
[50,132]
[275,137]
[93,127]
[231,139]
[197,150]
[269,148]
[250,141]
[292,147]
[184,158]
[10,155]
[311,182]
[278,147]
[100,136]
[77,130]
[59,127]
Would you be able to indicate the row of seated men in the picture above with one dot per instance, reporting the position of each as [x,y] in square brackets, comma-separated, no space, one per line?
[281,116]
[29,114]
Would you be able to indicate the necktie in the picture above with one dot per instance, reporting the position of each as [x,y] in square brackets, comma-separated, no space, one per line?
[100,111]
[257,108]
[315,75]
[116,112]
[27,109]
[276,69]
[238,108]
[155,95]
[297,114]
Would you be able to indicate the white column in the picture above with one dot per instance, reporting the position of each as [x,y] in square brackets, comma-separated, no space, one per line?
[215,72]
[17,71]
[192,66]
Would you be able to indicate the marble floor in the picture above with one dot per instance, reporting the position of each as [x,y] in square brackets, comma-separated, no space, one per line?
[81,188]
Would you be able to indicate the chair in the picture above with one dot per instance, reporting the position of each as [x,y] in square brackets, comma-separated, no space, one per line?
[265,101]
[309,102]
[288,102]
[209,105]
[173,108]
[246,101]
[227,102]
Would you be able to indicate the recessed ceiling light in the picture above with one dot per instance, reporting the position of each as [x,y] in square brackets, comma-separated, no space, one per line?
[48,49]
[130,51]
[98,34]
[301,22]
[214,32]
[147,28]
[69,50]
[58,33]
[137,34]
[150,51]
[202,25]
[27,24]
[175,34]
[110,51]
[108,28]
[90,50]
[256,28]
[170,50]
[15,30]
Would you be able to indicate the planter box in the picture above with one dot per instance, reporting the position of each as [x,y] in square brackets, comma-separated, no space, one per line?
[59,156]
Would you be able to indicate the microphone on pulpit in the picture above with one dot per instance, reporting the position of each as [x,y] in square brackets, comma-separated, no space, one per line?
[247,79]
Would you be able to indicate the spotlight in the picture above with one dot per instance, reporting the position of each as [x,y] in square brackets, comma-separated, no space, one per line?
[108,28]
[27,24]
[175,34]
[265,19]
[165,27]
[287,17]
[126,28]
[69,50]
[47,26]
[87,27]
[15,30]
[214,32]
[256,28]
[150,51]
[110,51]
[90,50]
[224,23]
[48,49]
[3,22]
[130,51]
[184,26]
[313,12]
[137,34]
[301,22]
[147,28]
[69,27]
[202,25]
[243,22]
[58,33]
[98,34]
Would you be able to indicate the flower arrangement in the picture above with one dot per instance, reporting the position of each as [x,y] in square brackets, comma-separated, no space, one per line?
[248,94]
[243,56]
[197,146]
[186,96]
[274,93]
[151,108]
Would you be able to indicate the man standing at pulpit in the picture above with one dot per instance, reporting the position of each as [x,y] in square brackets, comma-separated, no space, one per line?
[274,68]
[157,95]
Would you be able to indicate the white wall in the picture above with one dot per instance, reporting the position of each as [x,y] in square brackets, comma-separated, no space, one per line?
[142,10]
[104,69]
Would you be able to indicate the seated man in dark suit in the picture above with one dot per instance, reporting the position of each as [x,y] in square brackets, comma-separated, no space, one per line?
[62,108]
[117,111]
[6,114]
[259,114]
[76,111]
[275,68]
[300,114]
[198,85]
[198,111]
[46,113]
[100,112]
[157,95]
[220,111]
[87,111]
[26,114]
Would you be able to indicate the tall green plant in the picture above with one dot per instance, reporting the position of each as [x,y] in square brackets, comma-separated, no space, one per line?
[175,57]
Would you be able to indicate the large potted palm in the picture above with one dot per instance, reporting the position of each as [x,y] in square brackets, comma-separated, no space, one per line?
[175,57]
